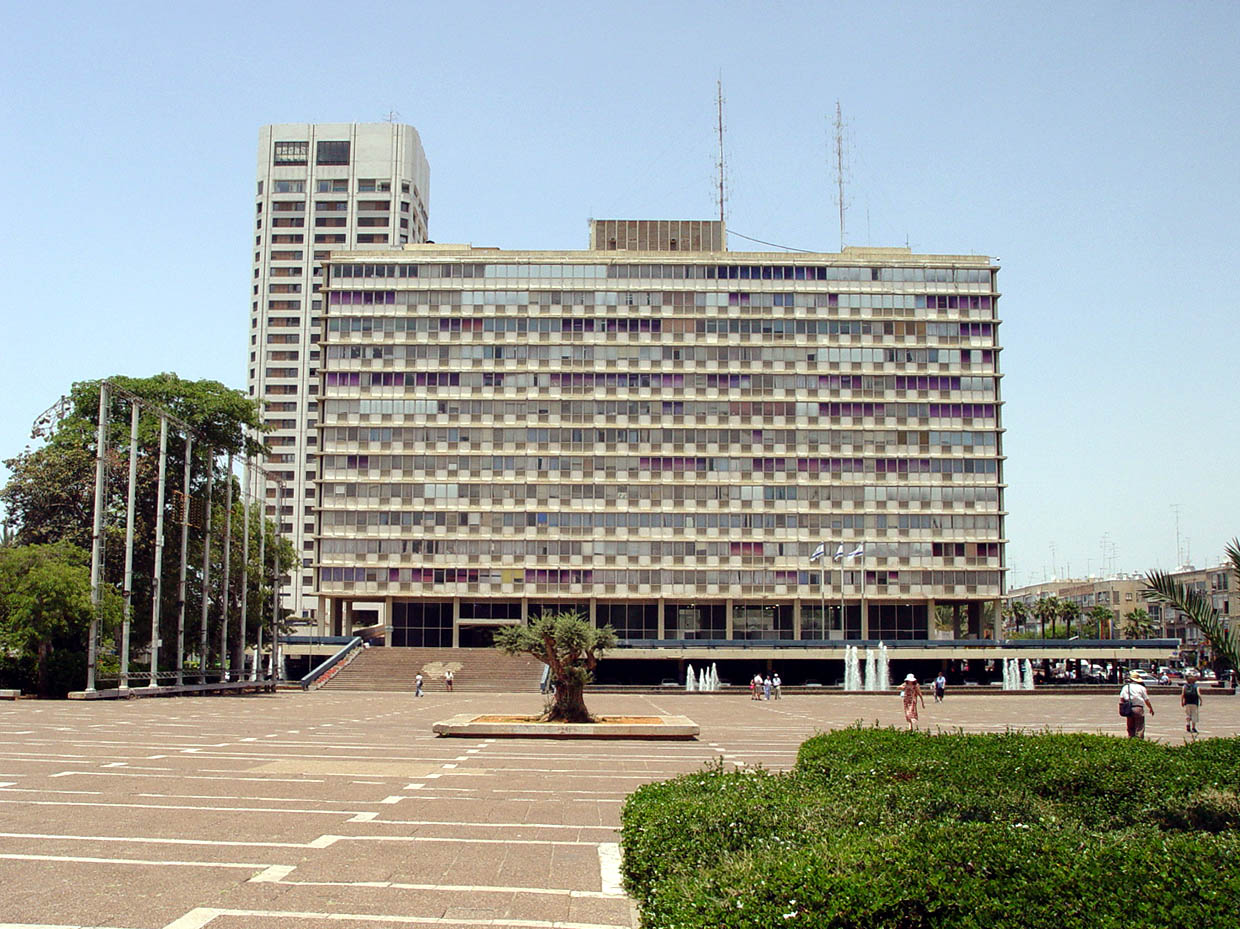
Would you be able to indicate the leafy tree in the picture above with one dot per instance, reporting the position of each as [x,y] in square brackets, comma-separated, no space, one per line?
[1199,608]
[50,498]
[1138,624]
[45,603]
[1068,611]
[571,648]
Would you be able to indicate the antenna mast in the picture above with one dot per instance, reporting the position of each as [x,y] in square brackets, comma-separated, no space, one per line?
[839,166]
[720,164]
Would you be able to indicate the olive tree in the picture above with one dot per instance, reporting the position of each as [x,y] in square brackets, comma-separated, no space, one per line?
[571,648]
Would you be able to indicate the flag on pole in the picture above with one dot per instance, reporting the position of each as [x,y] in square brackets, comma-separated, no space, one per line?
[859,550]
[839,552]
[819,551]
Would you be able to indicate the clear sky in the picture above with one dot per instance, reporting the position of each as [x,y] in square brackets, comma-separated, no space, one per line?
[1093,147]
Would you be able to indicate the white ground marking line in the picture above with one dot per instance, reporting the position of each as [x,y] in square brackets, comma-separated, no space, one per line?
[175,806]
[273,875]
[450,840]
[446,888]
[323,841]
[611,830]
[190,777]
[609,868]
[12,783]
[200,917]
[117,764]
[450,766]
[47,926]
[363,818]
[82,859]
[413,786]
[395,798]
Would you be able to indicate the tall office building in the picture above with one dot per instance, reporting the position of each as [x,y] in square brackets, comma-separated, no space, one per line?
[668,436]
[321,187]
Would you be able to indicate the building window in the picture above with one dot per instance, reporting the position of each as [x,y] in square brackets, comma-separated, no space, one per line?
[291,153]
[332,153]
[339,185]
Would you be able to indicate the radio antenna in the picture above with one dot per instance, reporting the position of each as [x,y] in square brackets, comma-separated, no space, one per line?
[719,165]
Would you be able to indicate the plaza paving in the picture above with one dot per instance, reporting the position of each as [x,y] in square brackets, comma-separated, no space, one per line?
[342,810]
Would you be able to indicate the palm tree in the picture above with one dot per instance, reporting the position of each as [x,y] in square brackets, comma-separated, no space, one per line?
[1069,610]
[1138,624]
[1163,588]
[1018,612]
[1046,608]
[1102,618]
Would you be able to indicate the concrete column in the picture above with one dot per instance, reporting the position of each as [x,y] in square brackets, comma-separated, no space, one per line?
[997,624]
[662,622]
[865,618]
[796,619]
[525,611]
[727,619]
[931,624]
[346,618]
[594,612]
[456,622]
[387,620]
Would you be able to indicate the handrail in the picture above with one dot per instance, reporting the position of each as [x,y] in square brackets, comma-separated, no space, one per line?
[330,663]
[897,644]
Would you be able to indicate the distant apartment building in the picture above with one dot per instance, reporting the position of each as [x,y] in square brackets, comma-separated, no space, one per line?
[1119,593]
[320,187]
[664,435]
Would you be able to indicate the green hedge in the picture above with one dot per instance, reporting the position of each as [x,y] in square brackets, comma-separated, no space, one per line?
[887,829]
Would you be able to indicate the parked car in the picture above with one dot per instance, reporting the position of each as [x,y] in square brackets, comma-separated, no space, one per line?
[1143,677]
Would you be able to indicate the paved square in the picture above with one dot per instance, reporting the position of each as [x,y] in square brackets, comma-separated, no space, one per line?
[343,810]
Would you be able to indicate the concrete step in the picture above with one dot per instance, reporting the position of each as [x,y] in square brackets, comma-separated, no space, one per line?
[482,670]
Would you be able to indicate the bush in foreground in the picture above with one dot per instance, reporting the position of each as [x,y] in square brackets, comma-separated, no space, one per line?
[886,829]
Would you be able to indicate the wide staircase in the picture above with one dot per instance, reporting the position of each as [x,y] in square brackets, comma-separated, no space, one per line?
[474,669]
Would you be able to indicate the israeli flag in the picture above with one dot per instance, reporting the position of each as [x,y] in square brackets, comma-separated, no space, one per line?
[839,552]
[819,551]
[859,550]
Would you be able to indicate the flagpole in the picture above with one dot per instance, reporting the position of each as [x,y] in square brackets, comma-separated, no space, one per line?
[822,590]
[843,622]
[865,623]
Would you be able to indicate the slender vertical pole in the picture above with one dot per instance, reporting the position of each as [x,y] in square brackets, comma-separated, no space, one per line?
[129,500]
[157,584]
[245,564]
[189,457]
[204,649]
[224,655]
[96,540]
[262,571]
[822,592]
[843,621]
[865,619]
[275,583]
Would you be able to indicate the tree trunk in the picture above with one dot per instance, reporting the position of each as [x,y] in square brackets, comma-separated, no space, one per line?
[569,705]
[44,683]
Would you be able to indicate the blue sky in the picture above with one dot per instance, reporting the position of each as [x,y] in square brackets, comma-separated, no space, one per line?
[1092,147]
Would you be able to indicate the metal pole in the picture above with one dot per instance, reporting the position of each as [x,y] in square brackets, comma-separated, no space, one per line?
[129,499]
[158,578]
[245,563]
[275,583]
[224,656]
[204,648]
[96,541]
[262,570]
[843,621]
[822,592]
[189,450]
[865,620]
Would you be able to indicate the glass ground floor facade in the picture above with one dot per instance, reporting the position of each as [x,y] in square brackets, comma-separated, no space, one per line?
[462,622]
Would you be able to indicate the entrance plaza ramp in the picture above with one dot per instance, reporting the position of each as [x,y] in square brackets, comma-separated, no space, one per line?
[341,809]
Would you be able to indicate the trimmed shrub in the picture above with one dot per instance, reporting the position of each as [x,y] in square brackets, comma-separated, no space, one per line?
[885,829]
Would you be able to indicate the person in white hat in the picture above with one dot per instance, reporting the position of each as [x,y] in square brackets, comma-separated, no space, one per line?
[1137,698]
[910,693]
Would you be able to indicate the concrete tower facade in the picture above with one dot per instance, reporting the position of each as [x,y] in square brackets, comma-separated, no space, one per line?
[321,187]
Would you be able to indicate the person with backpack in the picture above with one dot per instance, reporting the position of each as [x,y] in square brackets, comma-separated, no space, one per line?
[1190,699]
[1134,701]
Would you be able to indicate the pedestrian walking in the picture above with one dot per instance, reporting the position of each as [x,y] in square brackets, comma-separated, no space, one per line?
[447,680]
[779,687]
[755,687]
[766,688]
[417,684]
[910,693]
[1134,703]
[940,686]
[1190,699]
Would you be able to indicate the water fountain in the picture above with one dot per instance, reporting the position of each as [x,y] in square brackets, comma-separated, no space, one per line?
[1027,677]
[871,669]
[714,676]
[884,669]
[690,683]
[852,669]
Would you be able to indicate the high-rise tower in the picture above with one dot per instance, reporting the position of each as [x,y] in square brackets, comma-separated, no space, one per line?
[322,187]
